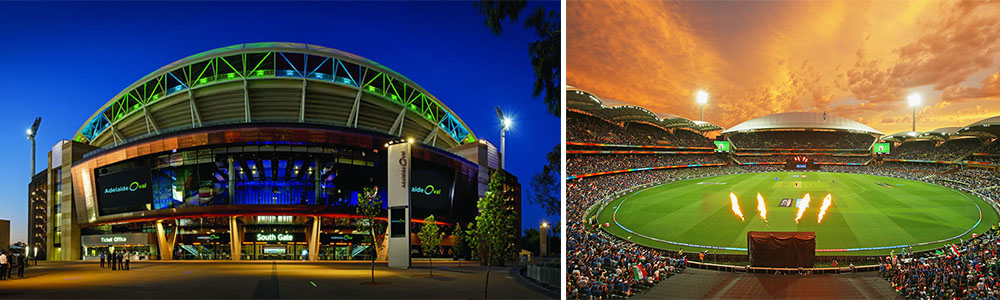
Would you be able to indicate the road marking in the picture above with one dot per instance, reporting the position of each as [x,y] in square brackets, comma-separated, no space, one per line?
[312,283]
[404,276]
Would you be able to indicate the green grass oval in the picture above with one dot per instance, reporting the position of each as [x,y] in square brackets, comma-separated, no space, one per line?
[866,211]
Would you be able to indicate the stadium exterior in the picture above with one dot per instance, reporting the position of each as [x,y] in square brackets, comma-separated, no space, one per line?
[256,151]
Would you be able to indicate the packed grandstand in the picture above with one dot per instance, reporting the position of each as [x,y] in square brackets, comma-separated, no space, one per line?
[612,150]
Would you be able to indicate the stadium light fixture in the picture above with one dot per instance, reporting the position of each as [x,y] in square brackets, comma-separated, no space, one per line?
[702,98]
[914,100]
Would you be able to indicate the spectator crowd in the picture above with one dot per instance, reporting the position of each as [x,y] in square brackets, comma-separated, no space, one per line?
[590,129]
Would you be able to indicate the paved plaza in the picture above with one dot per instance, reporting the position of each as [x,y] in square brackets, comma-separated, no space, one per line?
[267,280]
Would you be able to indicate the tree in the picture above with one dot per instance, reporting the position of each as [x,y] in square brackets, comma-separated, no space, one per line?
[370,208]
[430,239]
[545,184]
[545,52]
[495,12]
[530,240]
[460,242]
[494,230]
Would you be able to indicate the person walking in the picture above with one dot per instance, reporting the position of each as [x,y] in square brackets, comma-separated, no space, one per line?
[21,261]
[3,265]
[128,259]
[121,261]
[111,260]
[102,259]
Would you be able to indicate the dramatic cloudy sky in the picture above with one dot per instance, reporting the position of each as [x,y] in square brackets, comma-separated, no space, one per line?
[854,59]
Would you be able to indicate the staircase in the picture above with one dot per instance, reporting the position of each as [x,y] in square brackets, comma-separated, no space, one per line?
[358,250]
[967,154]
[190,249]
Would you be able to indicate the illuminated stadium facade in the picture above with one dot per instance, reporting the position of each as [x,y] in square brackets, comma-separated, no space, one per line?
[255,151]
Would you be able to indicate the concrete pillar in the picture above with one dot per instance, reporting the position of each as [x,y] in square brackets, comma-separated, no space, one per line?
[235,238]
[232,181]
[543,237]
[317,172]
[165,242]
[313,232]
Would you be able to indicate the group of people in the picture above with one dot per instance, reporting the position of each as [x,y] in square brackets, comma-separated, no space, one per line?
[802,140]
[930,150]
[970,271]
[591,163]
[816,158]
[117,261]
[8,262]
[590,129]
[603,266]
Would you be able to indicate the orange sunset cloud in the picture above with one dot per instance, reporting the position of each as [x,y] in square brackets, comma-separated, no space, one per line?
[858,60]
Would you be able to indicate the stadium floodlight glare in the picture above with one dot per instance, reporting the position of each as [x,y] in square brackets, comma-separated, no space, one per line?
[702,98]
[914,100]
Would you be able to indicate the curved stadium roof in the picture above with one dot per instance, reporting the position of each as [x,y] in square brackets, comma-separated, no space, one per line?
[989,126]
[274,82]
[585,101]
[802,120]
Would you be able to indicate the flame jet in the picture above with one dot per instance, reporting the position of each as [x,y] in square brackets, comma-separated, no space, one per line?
[761,207]
[736,206]
[826,204]
[802,208]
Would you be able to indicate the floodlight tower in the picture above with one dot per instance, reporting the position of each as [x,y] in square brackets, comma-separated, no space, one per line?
[505,123]
[702,98]
[914,101]
[31,137]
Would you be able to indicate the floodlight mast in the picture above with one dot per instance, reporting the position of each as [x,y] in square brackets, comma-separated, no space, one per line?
[31,137]
[914,101]
[504,125]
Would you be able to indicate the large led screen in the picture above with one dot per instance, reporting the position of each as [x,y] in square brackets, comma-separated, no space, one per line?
[125,191]
[881,148]
[430,189]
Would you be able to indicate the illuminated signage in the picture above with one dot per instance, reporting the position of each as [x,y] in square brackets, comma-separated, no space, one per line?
[275,237]
[124,191]
[428,190]
[208,237]
[132,187]
[113,239]
[118,239]
[274,250]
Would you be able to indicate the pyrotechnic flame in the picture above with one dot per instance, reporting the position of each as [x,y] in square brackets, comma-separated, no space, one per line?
[761,208]
[736,206]
[802,208]
[826,203]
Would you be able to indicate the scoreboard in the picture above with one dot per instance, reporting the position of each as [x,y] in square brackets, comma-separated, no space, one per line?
[800,163]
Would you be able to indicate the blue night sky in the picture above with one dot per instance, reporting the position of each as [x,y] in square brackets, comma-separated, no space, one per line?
[63,61]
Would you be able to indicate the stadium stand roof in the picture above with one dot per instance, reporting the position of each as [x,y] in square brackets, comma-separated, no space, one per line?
[941,133]
[585,101]
[988,126]
[901,136]
[802,120]
[274,82]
